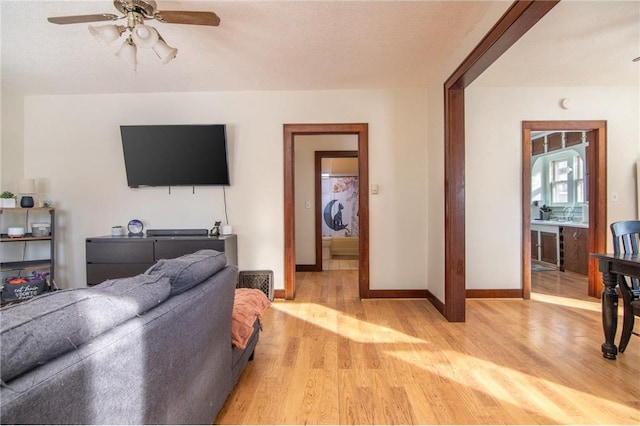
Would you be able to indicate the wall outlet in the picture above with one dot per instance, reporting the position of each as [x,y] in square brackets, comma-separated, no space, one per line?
[307,204]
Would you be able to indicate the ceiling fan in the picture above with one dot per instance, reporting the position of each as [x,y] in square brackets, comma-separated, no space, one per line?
[135,12]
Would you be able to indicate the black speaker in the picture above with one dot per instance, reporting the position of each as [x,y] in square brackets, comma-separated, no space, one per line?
[176,232]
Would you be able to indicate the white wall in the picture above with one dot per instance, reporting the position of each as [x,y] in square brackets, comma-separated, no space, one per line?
[11,148]
[434,192]
[304,154]
[494,166]
[72,147]
[398,233]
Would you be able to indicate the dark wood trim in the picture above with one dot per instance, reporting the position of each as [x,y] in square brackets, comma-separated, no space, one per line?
[597,187]
[495,294]
[516,21]
[597,242]
[308,268]
[526,212]
[290,131]
[398,294]
[363,209]
[437,303]
[319,155]
[278,294]
[454,207]
[564,125]
[289,215]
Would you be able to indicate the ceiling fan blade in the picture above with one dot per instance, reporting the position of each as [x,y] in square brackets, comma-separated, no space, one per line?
[184,17]
[78,19]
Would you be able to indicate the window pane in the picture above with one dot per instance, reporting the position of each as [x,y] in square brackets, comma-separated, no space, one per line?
[559,192]
[579,191]
[561,169]
[579,166]
[536,187]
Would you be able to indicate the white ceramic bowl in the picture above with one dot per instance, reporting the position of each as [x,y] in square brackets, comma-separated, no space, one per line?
[15,231]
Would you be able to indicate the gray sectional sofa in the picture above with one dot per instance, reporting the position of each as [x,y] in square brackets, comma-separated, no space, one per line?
[150,349]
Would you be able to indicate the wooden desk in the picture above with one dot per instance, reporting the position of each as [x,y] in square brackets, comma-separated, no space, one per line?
[611,266]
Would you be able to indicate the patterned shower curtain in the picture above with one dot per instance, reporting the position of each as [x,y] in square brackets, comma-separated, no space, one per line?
[340,206]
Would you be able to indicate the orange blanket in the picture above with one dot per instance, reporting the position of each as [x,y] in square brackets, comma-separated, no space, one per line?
[248,305]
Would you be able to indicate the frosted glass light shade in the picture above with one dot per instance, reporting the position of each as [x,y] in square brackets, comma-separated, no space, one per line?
[165,52]
[128,52]
[105,33]
[27,186]
[144,36]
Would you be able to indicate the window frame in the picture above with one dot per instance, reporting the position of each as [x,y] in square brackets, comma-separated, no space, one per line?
[575,162]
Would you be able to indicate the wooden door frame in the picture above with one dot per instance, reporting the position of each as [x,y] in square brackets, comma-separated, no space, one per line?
[514,23]
[319,155]
[290,132]
[597,188]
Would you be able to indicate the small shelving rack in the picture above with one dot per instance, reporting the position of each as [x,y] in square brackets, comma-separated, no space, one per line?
[28,265]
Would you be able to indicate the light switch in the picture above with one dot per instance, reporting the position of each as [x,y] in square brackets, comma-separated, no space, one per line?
[307,204]
[375,189]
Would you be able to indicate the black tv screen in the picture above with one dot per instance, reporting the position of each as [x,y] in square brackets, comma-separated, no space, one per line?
[172,155]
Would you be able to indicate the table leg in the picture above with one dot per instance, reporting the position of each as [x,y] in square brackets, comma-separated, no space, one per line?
[609,314]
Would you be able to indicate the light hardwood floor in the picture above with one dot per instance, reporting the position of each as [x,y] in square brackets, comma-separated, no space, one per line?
[330,358]
[340,263]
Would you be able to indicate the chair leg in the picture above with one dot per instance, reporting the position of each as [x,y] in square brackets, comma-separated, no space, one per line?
[628,317]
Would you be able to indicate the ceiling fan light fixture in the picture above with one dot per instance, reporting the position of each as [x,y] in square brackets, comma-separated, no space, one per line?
[165,52]
[106,33]
[145,36]
[134,13]
[128,53]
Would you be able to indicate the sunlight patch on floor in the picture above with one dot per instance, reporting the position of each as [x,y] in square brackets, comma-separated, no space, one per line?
[537,393]
[533,392]
[349,327]
[568,302]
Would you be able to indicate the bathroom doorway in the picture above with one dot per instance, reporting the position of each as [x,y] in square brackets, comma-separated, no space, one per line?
[337,210]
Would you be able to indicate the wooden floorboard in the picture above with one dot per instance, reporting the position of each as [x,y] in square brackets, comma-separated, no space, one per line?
[330,358]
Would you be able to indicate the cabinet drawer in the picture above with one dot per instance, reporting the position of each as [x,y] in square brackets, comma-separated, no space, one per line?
[170,249]
[99,272]
[122,252]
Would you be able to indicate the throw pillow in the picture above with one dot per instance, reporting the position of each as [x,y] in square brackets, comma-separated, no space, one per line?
[189,270]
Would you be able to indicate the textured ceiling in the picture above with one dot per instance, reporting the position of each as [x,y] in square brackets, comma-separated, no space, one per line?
[590,43]
[312,45]
[269,45]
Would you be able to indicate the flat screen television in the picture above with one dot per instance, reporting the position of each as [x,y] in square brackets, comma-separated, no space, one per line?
[174,155]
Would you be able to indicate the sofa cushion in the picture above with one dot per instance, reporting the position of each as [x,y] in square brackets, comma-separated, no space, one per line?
[189,270]
[40,329]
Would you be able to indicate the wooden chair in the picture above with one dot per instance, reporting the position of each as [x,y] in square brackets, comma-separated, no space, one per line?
[625,240]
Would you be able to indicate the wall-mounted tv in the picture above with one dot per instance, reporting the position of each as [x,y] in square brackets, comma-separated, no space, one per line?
[173,155]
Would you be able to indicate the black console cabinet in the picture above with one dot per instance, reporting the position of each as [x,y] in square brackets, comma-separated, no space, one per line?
[118,257]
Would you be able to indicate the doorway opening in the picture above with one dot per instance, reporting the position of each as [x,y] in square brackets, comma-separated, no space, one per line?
[336,214]
[595,193]
[361,130]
